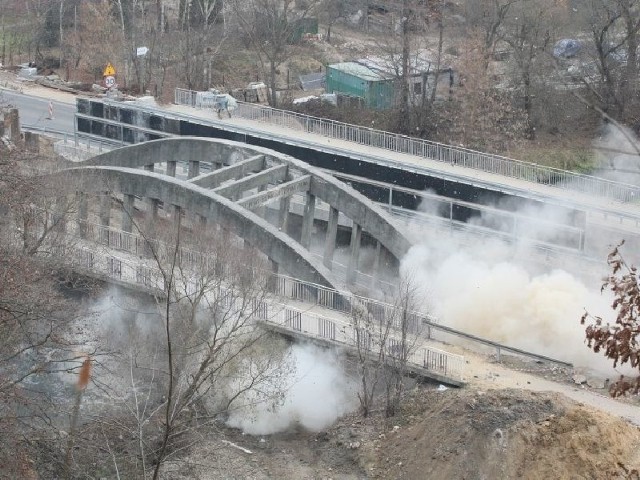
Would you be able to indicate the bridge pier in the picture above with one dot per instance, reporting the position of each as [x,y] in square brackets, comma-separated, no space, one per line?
[171,168]
[194,168]
[83,214]
[127,213]
[356,235]
[376,265]
[307,220]
[330,239]
[283,214]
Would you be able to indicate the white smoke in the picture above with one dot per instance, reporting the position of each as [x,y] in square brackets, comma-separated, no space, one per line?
[316,392]
[482,287]
[619,151]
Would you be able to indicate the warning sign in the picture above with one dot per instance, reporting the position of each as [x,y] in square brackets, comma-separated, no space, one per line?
[109,71]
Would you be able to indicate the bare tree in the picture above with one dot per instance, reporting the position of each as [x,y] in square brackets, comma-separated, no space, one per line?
[384,343]
[211,291]
[269,26]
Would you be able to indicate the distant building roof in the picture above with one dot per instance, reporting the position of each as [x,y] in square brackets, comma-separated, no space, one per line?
[361,71]
[386,67]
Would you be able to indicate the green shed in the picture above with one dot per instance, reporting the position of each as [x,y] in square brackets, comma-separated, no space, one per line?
[375,88]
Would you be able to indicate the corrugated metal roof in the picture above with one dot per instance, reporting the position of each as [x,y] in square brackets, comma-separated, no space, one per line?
[361,71]
[386,67]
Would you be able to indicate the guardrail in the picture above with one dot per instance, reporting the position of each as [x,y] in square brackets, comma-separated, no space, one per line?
[284,287]
[453,155]
[145,274]
[72,145]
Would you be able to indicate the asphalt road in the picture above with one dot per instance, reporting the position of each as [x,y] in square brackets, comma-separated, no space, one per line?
[34,111]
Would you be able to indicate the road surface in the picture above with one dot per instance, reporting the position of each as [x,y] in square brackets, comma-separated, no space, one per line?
[34,110]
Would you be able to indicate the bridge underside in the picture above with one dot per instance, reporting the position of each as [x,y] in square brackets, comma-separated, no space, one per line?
[250,192]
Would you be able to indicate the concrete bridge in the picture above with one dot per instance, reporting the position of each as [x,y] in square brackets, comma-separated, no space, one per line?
[589,213]
[229,184]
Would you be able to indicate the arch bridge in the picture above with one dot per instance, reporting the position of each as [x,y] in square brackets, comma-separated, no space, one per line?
[247,191]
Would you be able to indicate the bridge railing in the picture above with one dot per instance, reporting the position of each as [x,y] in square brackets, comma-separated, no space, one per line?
[144,272]
[450,154]
[296,320]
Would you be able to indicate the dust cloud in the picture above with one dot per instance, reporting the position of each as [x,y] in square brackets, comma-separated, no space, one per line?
[316,392]
[618,150]
[486,287]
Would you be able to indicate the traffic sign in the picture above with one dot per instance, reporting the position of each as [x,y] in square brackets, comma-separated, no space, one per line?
[109,71]
[109,81]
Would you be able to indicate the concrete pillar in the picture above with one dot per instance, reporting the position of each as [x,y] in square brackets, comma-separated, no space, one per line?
[307,220]
[127,213]
[376,265]
[330,239]
[194,168]
[105,209]
[149,168]
[152,209]
[272,283]
[356,235]
[175,211]
[283,215]
[171,168]
[83,214]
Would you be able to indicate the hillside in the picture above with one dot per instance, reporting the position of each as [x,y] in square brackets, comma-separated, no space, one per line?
[470,434]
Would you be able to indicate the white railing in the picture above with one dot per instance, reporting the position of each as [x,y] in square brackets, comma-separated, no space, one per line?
[143,272]
[450,154]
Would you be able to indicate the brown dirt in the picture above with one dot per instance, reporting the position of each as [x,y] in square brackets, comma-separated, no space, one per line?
[456,434]
[504,434]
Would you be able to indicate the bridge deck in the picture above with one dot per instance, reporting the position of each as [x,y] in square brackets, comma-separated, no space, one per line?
[410,162]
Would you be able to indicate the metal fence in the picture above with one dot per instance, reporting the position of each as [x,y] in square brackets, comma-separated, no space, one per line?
[270,310]
[450,154]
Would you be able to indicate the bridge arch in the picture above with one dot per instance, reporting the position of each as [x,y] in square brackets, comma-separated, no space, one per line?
[228,192]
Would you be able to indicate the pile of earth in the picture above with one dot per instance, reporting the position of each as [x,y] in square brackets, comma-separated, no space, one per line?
[505,434]
[452,434]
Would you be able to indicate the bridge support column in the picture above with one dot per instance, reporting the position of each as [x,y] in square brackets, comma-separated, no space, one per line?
[356,235]
[194,168]
[272,283]
[330,239]
[83,214]
[376,265]
[152,209]
[59,217]
[105,216]
[307,221]
[171,168]
[175,211]
[127,213]
[283,215]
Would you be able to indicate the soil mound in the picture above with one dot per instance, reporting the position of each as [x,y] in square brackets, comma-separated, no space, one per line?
[506,434]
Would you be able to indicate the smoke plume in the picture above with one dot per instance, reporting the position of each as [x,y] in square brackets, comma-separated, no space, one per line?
[316,392]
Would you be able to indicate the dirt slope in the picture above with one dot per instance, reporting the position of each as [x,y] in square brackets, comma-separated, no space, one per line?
[506,434]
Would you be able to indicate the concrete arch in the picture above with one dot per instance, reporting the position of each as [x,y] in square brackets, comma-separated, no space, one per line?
[261,234]
[354,205]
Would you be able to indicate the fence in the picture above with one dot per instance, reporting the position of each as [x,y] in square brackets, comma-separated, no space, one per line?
[270,310]
[450,154]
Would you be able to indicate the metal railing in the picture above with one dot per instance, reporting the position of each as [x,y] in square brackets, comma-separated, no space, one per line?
[418,147]
[71,145]
[270,310]
[288,289]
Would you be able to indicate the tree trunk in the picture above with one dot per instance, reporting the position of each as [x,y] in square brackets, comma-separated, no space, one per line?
[273,100]
[404,123]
